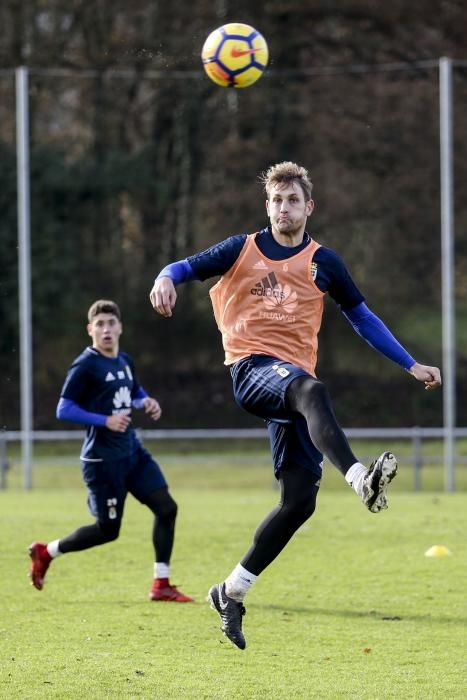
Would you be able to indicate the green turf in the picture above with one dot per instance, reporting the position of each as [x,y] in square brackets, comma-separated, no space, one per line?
[351,609]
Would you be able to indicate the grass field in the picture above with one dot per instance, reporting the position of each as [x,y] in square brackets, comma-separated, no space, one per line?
[351,609]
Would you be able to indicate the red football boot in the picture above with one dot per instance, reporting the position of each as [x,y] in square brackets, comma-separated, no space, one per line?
[163,590]
[40,559]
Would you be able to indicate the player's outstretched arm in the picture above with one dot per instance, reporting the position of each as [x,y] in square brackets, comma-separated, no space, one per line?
[163,296]
[370,327]
[430,375]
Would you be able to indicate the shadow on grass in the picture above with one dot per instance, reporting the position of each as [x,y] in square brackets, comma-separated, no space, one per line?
[359,614]
[286,611]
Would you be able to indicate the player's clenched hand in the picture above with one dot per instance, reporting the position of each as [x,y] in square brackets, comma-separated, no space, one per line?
[152,408]
[118,422]
[163,296]
[430,375]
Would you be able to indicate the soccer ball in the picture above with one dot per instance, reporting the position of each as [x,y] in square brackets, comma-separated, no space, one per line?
[235,55]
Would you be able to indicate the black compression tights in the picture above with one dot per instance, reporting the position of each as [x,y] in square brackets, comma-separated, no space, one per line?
[161,504]
[310,398]
[297,504]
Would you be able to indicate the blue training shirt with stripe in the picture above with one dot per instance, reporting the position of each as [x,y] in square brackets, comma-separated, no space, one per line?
[101,386]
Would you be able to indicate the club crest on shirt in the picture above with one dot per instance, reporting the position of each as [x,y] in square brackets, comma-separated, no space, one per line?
[313,270]
[281,371]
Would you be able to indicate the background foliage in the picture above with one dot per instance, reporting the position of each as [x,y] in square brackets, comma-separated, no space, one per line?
[137,160]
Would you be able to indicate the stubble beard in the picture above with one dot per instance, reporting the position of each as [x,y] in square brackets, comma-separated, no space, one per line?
[288,228]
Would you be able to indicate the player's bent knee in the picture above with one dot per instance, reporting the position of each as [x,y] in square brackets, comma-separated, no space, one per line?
[315,390]
[307,511]
[301,509]
[168,511]
[162,504]
[305,391]
[110,530]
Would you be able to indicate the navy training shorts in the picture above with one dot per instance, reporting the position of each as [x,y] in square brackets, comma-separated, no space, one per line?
[260,384]
[109,482]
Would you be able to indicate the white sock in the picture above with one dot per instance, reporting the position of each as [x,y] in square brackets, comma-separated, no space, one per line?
[161,569]
[239,583]
[53,549]
[355,477]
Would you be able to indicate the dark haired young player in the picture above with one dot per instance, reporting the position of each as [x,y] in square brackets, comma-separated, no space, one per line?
[268,305]
[100,391]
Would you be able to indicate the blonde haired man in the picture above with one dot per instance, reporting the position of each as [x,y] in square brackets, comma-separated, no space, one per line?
[268,305]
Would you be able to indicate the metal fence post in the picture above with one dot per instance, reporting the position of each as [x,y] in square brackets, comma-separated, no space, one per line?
[3,462]
[24,271]
[447,269]
[417,458]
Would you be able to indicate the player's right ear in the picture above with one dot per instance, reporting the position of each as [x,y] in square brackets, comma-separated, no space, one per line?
[310,205]
[89,329]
